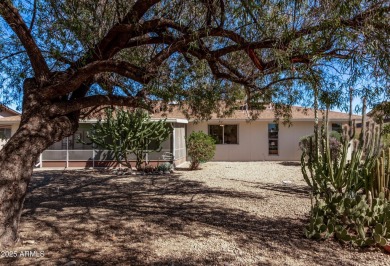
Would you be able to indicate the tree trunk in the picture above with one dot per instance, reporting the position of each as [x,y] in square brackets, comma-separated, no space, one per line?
[17,159]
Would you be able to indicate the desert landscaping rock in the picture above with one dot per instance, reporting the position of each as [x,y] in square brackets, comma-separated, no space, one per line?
[225,214]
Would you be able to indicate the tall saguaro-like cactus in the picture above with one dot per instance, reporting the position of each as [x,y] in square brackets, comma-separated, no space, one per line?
[378,179]
[125,133]
[351,190]
[352,169]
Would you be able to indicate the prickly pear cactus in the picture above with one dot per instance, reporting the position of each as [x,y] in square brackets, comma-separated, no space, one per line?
[351,220]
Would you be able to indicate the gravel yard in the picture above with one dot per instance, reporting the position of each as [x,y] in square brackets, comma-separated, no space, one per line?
[241,213]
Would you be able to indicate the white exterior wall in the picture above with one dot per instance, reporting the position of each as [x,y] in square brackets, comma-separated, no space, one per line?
[253,141]
[2,142]
[14,128]
[289,138]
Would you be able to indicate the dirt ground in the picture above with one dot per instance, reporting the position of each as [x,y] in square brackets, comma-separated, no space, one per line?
[249,213]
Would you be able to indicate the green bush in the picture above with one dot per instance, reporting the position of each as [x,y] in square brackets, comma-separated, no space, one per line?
[201,148]
[386,135]
[165,167]
[335,145]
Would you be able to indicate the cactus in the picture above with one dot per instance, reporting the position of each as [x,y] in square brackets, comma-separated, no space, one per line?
[378,179]
[327,172]
[350,194]
[350,220]
[323,172]
[129,133]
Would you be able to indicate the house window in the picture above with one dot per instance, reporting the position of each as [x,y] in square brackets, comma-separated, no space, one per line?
[5,133]
[224,134]
[273,139]
[337,127]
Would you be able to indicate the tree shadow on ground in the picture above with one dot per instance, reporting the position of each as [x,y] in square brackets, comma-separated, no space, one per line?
[295,190]
[91,219]
[287,188]
[290,163]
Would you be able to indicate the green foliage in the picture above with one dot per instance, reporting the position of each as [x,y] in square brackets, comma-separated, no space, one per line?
[165,167]
[201,148]
[127,133]
[386,135]
[386,129]
[336,135]
[334,144]
[303,41]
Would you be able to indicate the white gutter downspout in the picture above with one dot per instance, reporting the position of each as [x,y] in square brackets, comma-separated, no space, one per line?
[93,156]
[173,144]
[39,164]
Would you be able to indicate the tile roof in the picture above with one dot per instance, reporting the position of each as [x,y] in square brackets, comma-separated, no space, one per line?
[298,113]
[9,110]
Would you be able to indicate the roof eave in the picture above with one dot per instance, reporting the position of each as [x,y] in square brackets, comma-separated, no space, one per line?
[269,119]
[168,120]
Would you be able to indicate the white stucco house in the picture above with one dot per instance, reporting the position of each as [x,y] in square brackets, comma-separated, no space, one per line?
[9,122]
[237,138]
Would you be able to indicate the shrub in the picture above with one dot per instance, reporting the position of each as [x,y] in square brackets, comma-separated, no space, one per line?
[335,147]
[336,135]
[165,167]
[335,144]
[201,148]
[386,135]
[148,169]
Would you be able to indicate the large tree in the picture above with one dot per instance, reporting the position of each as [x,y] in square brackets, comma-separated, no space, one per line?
[62,57]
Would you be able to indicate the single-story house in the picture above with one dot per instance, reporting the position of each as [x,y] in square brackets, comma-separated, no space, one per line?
[9,123]
[237,137]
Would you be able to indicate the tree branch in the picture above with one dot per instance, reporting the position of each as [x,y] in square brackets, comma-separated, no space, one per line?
[33,16]
[15,21]
[93,101]
[72,80]
[131,33]
[269,85]
[115,40]
[353,23]
[138,11]
[11,55]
